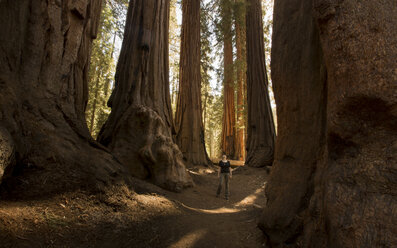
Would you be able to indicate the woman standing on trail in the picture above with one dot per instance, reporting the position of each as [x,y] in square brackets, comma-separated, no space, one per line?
[224,173]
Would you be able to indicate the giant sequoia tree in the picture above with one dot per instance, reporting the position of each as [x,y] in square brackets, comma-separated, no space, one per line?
[188,117]
[44,58]
[261,131]
[333,183]
[229,111]
[139,128]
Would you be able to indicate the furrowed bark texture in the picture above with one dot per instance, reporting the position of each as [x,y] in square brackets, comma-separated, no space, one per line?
[333,183]
[44,58]
[229,114]
[139,128]
[241,79]
[261,131]
[188,117]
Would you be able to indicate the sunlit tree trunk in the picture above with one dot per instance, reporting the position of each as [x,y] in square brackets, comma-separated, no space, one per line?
[205,109]
[241,78]
[188,117]
[261,131]
[229,111]
[139,128]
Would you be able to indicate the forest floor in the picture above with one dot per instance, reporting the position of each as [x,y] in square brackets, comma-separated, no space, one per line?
[149,217]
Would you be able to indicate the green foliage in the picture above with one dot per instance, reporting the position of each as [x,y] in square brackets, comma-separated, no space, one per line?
[102,67]
[206,50]
[174,54]
[267,12]
[213,127]
[211,102]
[223,19]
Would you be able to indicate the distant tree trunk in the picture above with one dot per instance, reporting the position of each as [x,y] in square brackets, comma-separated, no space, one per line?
[139,128]
[241,78]
[205,110]
[229,114]
[44,61]
[188,116]
[92,119]
[261,131]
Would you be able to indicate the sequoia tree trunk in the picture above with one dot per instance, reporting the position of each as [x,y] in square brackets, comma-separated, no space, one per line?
[334,179]
[44,60]
[229,114]
[241,78]
[261,131]
[139,128]
[188,116]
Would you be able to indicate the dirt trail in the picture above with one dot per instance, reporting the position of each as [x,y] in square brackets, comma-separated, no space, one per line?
[208,221]
[152,218]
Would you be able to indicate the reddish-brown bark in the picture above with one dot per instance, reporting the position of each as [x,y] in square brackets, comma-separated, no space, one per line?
[261,131]
[139,128]
[188,117]
[229,110]
[44,60]
[241,78]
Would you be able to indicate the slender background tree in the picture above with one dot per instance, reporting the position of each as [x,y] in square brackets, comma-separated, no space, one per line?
[229,111]
[241,70]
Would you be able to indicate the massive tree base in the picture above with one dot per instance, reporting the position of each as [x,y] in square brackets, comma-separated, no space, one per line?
[48,154]
[334,179]
[142,143]
[44,58]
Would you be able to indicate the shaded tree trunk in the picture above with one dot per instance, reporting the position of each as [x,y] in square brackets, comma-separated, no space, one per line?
[44,61]
[300,95]
[261,132]
[241,78]
[188,117]
[229,114]
[333,181]
[139,128]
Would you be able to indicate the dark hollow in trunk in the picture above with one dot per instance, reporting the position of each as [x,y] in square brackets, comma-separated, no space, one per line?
[188,117]
[139,128]
[260,127]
